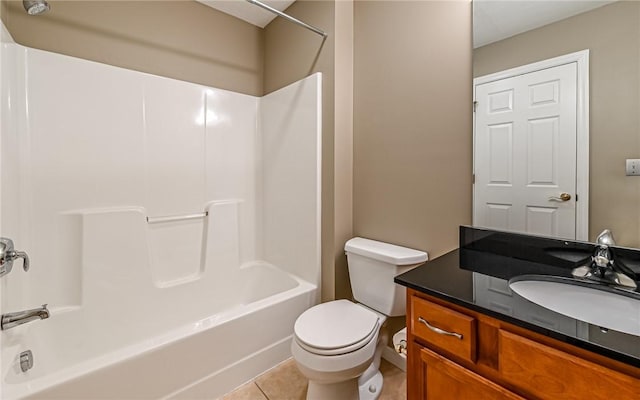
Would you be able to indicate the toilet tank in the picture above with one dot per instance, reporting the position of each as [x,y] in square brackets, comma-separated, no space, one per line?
[372,267]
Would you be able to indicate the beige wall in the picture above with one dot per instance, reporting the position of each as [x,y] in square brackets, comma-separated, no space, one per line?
[178,39]
[612,35]
[292,53]
[412,126]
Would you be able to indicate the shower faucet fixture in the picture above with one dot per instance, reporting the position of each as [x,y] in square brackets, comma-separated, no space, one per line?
[14,319]
[8,255]
[35,7]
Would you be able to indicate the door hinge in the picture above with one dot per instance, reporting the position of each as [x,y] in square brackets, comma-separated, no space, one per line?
[473,179]
[576,196]
[475,106]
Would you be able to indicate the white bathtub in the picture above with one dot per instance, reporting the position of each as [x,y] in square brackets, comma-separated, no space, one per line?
[203,358]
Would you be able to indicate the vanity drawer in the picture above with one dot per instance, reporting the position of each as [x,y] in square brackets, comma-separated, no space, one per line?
[449,330]
[548,373]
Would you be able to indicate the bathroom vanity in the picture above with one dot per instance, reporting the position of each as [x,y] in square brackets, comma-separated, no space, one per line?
[470,337]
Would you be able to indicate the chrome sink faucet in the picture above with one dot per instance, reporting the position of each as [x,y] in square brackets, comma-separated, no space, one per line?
[14,319]
[602,260]
[602,267]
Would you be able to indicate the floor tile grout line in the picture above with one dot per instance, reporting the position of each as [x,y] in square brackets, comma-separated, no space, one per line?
[389,371]
[261,391]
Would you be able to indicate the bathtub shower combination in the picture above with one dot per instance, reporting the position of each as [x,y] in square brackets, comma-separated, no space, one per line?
[173,229]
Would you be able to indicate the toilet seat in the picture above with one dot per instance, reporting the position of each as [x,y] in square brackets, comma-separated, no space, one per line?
[336,327]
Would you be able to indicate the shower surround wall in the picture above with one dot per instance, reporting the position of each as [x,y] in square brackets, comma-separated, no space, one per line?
[93,157]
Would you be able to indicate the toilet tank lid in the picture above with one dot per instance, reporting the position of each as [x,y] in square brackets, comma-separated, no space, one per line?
[386,252]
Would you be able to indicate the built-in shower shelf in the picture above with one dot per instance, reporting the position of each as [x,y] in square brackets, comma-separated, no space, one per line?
[173,218]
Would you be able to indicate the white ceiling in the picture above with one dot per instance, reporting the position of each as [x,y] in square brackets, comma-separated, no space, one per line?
[495,20]
[247,11]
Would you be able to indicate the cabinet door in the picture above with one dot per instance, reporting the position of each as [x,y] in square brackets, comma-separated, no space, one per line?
[550,374]
[444,379]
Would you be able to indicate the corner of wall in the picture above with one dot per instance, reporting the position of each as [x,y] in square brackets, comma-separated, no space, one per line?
[343,143]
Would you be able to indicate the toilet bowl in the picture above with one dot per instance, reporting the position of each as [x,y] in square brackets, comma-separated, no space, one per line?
[334,344]
[338,345]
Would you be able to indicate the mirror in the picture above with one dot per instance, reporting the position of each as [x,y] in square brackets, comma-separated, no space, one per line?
[509,34]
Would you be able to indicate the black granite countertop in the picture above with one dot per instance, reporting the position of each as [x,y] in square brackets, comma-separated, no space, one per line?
[476,276]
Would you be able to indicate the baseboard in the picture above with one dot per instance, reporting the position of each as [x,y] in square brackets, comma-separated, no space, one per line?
[394,358]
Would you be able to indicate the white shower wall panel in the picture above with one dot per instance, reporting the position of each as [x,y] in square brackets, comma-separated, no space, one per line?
[10,205]
[233,160]
[290,176]
[174,146]
[84,135]
[99,137]
[80,149]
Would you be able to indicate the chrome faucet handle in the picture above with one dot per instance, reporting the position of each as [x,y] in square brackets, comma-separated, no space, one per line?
[8,254]
[606,237]
[25,259]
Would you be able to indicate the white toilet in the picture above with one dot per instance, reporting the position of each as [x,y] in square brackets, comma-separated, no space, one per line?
[338,345]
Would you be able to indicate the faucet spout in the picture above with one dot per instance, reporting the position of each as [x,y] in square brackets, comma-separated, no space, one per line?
[602,259]
[11,320]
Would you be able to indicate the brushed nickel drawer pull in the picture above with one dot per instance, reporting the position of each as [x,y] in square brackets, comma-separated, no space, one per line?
[438,330]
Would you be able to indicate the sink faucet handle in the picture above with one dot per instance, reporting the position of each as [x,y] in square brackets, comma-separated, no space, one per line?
[606,238]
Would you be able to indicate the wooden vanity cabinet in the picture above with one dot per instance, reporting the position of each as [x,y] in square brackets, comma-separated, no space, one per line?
[468,355]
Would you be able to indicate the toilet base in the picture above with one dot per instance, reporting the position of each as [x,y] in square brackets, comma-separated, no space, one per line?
[345,390]
[371,389]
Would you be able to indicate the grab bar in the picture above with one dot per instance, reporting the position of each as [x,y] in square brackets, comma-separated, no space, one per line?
[172,218]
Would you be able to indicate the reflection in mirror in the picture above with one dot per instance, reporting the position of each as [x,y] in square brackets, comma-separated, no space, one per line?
[509,34]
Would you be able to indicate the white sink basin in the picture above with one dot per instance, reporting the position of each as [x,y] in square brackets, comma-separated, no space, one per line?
[589,302]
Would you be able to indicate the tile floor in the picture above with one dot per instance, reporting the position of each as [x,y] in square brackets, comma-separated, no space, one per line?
[285,382]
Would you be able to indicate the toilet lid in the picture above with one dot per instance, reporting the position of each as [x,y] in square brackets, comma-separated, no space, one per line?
[336,325]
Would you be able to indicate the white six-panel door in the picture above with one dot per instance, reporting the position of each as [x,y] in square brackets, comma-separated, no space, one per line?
[525,153]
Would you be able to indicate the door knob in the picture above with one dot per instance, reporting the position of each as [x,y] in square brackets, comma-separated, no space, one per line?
[8,254]
[563,197]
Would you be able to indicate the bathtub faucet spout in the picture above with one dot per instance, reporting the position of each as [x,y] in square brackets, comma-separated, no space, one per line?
[14,319]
